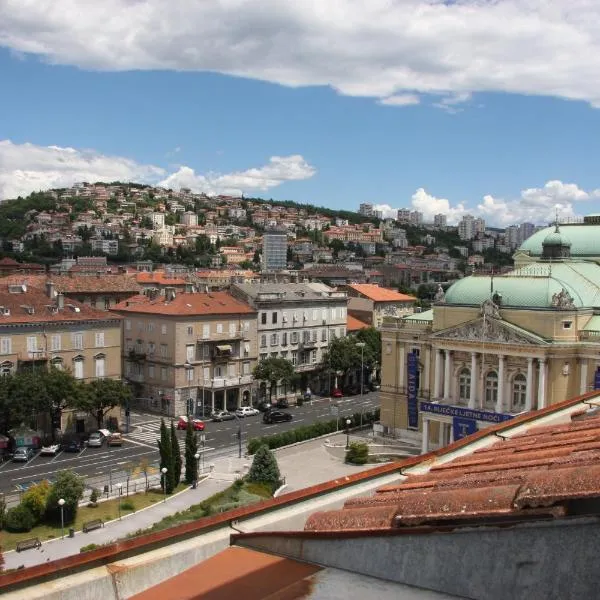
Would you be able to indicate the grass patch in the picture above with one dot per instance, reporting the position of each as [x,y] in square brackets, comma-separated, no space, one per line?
[236,495]
[107,511]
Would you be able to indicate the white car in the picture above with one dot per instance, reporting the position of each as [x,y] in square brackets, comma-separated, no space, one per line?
[247,411]
[50,450]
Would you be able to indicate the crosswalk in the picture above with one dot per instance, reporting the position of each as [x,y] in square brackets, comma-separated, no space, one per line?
[146,433]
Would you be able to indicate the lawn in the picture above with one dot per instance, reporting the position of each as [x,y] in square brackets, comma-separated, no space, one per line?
[107,511]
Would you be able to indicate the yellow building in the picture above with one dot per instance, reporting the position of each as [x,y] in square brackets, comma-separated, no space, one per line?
[493,347]
[189,353]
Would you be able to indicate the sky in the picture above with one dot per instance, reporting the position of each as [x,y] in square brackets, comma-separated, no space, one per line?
[482,107]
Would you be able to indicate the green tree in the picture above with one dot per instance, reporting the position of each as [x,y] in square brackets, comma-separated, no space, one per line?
[35,498]
[61,391]
[274,370]
[68,486]
[102,395]
[19,519]
[166,457]
[256,258]
[191,447]
[264,468]
[176,452]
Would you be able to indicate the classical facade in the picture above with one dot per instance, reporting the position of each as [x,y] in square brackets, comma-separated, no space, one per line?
[493,347]
[296,321]
[189,353]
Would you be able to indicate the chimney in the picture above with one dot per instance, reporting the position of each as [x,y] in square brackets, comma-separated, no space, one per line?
[50,290]
[60,301]
[170,294]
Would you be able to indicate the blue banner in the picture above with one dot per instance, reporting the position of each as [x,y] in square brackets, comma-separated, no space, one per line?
[464,413]
[412,363]
[597,379]
[463,427]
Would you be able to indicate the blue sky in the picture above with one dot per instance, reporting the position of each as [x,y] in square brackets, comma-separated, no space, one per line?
[517,144]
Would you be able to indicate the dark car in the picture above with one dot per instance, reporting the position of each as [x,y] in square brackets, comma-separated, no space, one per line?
[264,406]
[276,416]
[282,403]
[74,445]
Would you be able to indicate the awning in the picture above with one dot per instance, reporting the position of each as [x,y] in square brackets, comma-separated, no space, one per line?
[224,348]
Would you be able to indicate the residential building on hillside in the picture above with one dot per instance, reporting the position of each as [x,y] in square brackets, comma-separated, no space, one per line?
[296,321]
[274,256]
[189,353]
[493,347]
[370,303]
[189,219]
[366,210]
[470,227]
[440,220]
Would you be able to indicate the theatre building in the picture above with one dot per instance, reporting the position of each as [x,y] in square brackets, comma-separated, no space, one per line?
[493,347]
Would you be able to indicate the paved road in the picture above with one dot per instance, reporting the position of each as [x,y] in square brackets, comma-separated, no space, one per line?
[141,443]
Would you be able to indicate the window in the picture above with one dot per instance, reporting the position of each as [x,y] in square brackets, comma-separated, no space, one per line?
[313,357]
[106,303]
[567,324]
[150,327]
[189,375]
[294,357]
[163,373]
[333,314]
[163,329]
[246,368]
[190,351]
[284,355]
[274,318]
[99,365]
[315,314]
[127,324]
[190,331]
[219,327]
[264,356]
[55,343]
[205,332]
[464,385]
[246,350]
[151,348]
[128,344]
[99,339]
[5,345]
[274,354]
[263,318]
[324,314]
[306,337]
[206,374]
[284,339]
[313,335]
[78,367]
[519,394]
[57,363]
[246,325]
[31,343]
[274,339]
[151,371]
[284,317]
[164,351]
[232,329]
[342,313]
[491,388]
[263,341]
[218,371]
[323,335]
[231,370]
[294,337]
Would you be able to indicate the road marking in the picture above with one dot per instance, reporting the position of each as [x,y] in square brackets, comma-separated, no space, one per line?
[56,456]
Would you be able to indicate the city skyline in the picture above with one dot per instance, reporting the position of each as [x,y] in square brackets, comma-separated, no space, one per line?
[275,101]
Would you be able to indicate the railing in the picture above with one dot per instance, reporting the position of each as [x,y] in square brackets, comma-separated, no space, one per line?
[306,367]
[137,377]
[225,382]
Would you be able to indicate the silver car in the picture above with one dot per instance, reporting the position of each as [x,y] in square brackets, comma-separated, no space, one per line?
[96,440]
[23,454]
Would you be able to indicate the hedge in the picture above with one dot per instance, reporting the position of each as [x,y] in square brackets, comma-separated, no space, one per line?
[308,432]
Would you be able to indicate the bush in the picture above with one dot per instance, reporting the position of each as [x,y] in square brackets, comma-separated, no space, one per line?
[127,505]
[2,511]
[34,499]
[264,468]
[357,453]
[88,547]
[19,519]
[94,494]
[68,486]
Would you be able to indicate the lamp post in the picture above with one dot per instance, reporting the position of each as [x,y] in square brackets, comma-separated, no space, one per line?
[202,446]
[120,489]
[348,422]
[61,503]
[361,345]
[197,458]
[164,481]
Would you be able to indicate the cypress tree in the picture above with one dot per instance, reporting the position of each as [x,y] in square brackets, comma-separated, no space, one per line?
[166,456]
[176,457]
[191,447]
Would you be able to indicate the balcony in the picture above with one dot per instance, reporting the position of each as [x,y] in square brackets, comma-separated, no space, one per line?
[222,352]
[34,355]
[136,355]
[306,367]
[224,382]
[135,377]
[308,344]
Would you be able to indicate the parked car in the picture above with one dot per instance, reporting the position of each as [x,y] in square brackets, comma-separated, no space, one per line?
[375,387]
[276,416]
[73,445]
[337,393]
[247,411]
[264,406]
[50,450]
[23,454]
[282,403]
[223,415]
[114,439]
[96,439]
[197,424]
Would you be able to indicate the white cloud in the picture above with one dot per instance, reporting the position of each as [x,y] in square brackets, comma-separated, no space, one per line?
[25,168]
[386,210]
[378,48]
[400,100]
[430,206]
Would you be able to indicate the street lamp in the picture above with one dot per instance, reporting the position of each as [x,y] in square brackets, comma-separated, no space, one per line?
[348,422]
[361,345]
[120,489]
[164,478]
[202,446]
[61,503]
[197,458]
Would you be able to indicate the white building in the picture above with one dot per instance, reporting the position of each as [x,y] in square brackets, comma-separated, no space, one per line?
[105,246]
[403,215]
[366,210]
[189,219]
[158,220]
[274,250]
[440,220]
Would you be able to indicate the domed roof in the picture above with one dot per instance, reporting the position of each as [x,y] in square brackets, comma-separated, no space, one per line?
[556,238]
[584,239]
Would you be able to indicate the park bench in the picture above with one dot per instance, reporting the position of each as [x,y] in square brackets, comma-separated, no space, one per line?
[29,543]
[91,525]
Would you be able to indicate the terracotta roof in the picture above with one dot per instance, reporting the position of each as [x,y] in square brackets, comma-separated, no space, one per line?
[380,294]
[32,305]
[159,277]
[79,284]
[540,473]
[354,324]
[186,304]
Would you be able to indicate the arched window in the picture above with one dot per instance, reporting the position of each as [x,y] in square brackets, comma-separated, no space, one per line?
[57,363]
[78,367]
[464,385]
[519,392]
[491,388]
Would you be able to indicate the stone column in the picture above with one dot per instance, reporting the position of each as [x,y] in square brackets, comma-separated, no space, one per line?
[542,384]
[425,438]
[583,376]
[447,375]
[437,375]
[501,377]
[529,391]
[212,400]
[401,367]
[474,381]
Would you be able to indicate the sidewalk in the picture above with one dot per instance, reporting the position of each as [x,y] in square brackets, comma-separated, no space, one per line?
[302,466]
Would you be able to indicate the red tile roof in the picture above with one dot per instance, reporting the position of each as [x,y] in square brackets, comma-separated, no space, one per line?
[159,277]
[354,324]
[79,284]
[380,294]
[186,304]
[537,473]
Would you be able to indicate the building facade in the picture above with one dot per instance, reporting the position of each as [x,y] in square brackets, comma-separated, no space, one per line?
[189,353]
[492,348]
[371,303]
[274,250]
[296,321]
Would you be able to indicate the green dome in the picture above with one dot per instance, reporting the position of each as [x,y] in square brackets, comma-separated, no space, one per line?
[556,238]
[583,237]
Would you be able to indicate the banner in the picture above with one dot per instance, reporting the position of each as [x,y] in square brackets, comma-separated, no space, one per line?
[597,379]
[464,413]
[463,427]
[412,363]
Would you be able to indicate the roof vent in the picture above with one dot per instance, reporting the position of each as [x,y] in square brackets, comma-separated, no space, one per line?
[28,308]
[5,311]
[74,308]
[20,288]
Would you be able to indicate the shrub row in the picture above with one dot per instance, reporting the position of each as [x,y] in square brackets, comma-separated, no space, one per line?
[308,432]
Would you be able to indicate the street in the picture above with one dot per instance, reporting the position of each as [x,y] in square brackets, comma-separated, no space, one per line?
[140,444]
